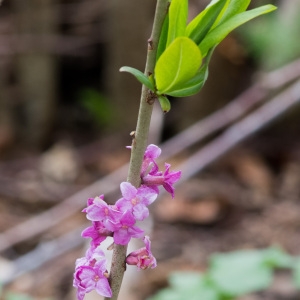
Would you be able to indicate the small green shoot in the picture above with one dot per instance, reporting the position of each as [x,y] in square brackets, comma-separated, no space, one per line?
[141,77]
[179,71]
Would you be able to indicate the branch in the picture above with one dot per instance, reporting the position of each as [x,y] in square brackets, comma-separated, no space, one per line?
[139,143]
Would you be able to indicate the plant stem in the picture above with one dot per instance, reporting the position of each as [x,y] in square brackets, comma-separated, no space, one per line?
[141,134]
[139,142]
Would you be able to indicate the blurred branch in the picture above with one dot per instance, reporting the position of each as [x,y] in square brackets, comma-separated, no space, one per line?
[82,12]
[43,253]
[39,223]
[55,44]
[91,11]
[35,189]
[241,130]
[281,76]
[201,159]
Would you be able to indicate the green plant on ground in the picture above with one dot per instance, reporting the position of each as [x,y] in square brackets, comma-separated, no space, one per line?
[97,105]
[231,275]
[274,40]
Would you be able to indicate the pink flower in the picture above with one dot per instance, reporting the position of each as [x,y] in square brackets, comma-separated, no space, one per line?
[92,256]
[167,179]
[91,274]
[124,229]
[119,222]
[149,164]
[87,278]
[143,257]
[99,210]
[97,232]
[136,200]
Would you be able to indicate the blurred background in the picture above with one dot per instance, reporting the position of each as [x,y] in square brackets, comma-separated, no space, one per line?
[66,114]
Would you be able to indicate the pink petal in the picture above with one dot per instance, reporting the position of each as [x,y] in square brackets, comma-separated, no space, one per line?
[146,195]
[127,218]
[86,276]
[147,243]
[152,151]
[121,237]
[140,212]
[103,288]
[112,226]
[169,188]
[123,205]
[128,190]
[135,232]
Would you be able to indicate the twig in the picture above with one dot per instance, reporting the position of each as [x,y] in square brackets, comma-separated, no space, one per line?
[139,143]
[241,130]
[282,76]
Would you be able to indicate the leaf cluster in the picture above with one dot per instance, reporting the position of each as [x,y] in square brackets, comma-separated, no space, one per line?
[231,275]
[184,49]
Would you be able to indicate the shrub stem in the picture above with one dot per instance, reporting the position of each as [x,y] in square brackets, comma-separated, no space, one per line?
[139,142]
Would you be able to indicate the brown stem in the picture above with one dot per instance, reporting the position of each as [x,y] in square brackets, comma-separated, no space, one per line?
[139,142]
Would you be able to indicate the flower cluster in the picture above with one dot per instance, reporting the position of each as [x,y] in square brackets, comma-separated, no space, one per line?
[119,222]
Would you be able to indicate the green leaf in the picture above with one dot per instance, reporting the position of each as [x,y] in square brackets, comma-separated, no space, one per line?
[235,7]
[178,13]
[164,103]
[97,105]
[187,285]
[221,13]
[14,296]
[216,35]
[185,280]
[178,64]
[162,43]
[200,25]
[167,294]
[193,286]
[194,85]
[141,77]
[240,272]
[296,272]
[277,258]
[191,87]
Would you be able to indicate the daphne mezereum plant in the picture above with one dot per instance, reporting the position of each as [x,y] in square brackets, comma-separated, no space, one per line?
[177,66]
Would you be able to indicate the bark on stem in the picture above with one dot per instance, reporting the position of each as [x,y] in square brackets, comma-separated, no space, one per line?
[139,142]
